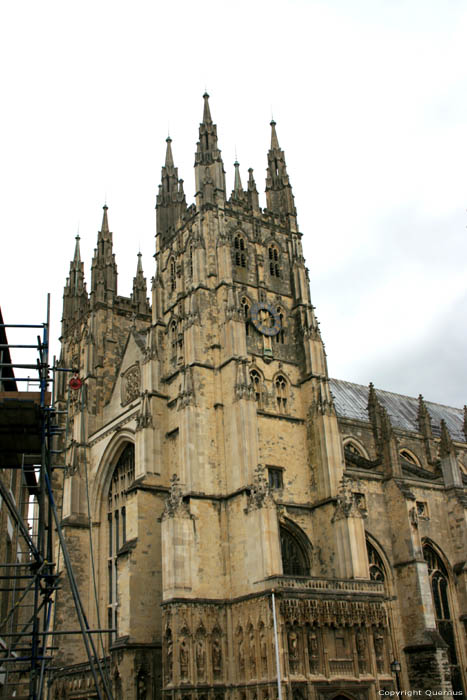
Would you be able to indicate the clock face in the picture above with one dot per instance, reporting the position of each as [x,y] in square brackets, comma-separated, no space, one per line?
[265,318]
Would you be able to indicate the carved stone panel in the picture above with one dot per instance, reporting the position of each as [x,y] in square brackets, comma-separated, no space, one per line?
[131,384]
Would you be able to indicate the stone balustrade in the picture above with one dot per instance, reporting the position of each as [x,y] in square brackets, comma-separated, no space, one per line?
[328,585]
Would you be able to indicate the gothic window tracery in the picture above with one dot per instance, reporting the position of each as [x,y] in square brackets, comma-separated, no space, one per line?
[274,268]
[122,477]
[294,559]
[240,251]
[281,386]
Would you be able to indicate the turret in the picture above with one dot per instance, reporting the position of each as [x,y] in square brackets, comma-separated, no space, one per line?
[209,168]
[171,201]
[279,197]
[103,268]
[75,297]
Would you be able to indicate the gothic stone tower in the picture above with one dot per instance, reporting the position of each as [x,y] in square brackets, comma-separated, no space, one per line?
[214,454]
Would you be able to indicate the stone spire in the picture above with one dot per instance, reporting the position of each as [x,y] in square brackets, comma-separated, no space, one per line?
[279,197]
[209,168]
[103,267]
[75,297]
[171,202]
[140,289]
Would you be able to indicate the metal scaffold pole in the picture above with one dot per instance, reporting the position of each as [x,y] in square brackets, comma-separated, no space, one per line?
[29,424]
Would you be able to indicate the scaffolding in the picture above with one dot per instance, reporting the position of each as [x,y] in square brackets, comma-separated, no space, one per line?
[29,455]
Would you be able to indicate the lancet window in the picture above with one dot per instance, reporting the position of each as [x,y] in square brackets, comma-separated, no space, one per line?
[173,275]
[257,383]
[245,304]
[279,337]
[240,251]
[174,338]
[281,393]
[122,477]
[190,260]
[274,268]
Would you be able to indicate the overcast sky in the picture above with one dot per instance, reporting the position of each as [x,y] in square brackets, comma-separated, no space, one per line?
[370,100]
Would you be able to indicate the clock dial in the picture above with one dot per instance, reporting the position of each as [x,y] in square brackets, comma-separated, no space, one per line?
[265,318]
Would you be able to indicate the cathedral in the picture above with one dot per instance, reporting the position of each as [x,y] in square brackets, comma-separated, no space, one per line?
[241,525]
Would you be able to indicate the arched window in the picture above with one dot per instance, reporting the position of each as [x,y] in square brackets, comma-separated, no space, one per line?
[294,559]
[257,383]
[409,457]
[123,475]
[245,304]
[375,563]
[173,275]
[353,449]
[279,337]
[439,580]
[280,384]
[240,251]
[274,268]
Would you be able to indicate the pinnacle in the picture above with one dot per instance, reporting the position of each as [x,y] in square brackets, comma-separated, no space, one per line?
[169,161]
[139,267]
[274,139]
[105,222]
[77,255]
[238,182]
[206,111]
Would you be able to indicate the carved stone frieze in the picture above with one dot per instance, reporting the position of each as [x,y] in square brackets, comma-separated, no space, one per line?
[333,612]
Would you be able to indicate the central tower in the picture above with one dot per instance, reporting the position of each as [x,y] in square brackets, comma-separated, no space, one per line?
[250,439]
